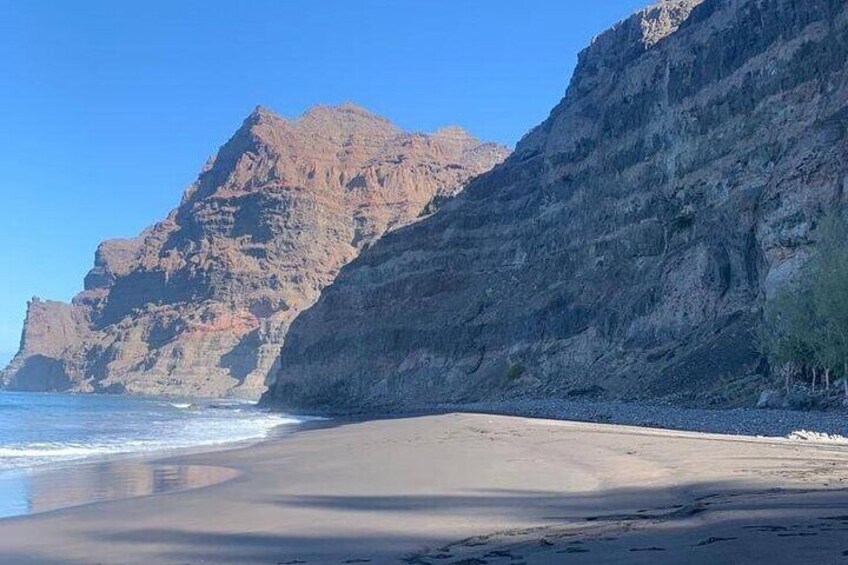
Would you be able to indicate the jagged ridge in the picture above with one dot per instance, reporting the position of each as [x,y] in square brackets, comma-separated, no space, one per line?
[199,304]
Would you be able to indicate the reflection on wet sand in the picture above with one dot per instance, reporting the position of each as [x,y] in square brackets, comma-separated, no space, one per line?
[29,492]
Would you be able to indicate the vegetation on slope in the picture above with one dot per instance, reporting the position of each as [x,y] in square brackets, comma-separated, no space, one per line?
[805,327]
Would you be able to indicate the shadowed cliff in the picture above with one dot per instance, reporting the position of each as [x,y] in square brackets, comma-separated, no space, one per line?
[626,247]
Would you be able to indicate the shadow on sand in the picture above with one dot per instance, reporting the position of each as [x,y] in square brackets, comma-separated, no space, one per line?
[709,523]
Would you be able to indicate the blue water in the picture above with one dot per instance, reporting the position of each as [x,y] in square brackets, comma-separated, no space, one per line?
[43,429]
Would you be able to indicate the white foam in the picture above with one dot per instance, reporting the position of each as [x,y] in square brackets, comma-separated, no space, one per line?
[205,430]
[818,437]
[53,450]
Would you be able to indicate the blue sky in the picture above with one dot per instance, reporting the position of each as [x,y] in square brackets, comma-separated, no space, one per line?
[109,108]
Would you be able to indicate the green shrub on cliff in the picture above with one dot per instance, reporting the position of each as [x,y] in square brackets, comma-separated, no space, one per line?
[805,325]
[515,371]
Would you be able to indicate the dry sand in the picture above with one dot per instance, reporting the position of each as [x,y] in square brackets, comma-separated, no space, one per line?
[473,489]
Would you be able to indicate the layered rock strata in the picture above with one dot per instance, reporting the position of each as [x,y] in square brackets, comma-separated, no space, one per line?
[199,304]
[626,247]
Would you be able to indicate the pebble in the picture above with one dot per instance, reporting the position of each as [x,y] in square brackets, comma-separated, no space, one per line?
[739,421]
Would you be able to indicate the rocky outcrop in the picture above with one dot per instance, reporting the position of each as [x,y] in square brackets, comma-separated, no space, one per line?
[625,248]
[200,303]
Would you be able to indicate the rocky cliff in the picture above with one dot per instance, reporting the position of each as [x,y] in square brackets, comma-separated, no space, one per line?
[200,303]
[626,247]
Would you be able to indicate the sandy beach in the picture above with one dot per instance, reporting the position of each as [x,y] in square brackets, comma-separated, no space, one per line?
[472,489]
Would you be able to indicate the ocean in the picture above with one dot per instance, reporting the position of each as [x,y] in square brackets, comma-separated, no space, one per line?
[63,450]
[44,429]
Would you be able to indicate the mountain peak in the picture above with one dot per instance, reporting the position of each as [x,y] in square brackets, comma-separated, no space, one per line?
[663,18]
[347,120]
[628,39]
[271,220]
[260,115]
[455,133]
[261,110]
[345,108]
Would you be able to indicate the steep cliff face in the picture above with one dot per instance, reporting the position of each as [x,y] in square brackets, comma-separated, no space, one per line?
[200,303]
[626,246]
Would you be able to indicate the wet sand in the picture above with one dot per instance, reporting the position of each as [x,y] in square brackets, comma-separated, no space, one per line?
[24,492]
[472,489]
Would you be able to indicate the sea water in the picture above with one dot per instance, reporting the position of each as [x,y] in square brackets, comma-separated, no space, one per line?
[43,429]
[64,450]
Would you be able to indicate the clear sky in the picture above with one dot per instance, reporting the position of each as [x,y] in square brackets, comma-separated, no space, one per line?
[108,109]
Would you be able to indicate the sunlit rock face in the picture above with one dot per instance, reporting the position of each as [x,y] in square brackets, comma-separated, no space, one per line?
[199,304]
[625,248]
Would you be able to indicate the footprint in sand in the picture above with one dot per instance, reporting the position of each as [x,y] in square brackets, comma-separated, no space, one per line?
[765,528]
[574,549]
[712,540]
[474,542]
[505,553]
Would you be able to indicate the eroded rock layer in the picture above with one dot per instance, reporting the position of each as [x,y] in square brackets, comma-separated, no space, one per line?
[626,246]
[200,303]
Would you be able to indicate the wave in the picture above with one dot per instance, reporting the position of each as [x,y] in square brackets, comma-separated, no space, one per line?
[53,450]
[186,431]
[224,404]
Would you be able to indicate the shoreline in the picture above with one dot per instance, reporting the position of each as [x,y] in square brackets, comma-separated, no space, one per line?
[74,483]
[50,430]
[407,488]
[753,422]
[740,424]
[735,422]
